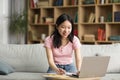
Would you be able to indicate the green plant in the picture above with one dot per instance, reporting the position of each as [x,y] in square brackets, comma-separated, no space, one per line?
[18,23]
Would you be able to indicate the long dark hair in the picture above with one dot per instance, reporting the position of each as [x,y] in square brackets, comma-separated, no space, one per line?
[56,36]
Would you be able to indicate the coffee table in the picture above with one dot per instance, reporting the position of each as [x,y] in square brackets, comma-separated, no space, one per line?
[64,77]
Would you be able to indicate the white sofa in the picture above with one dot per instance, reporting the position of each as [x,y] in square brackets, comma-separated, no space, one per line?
[29,61]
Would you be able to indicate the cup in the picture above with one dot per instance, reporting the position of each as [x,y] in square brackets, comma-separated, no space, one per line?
[43,36]
[102,19]
[102,1]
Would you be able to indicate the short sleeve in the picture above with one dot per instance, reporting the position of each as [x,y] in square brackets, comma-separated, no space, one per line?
[76,42]
[48,42]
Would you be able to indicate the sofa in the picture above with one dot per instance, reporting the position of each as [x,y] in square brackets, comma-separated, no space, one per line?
[29,61]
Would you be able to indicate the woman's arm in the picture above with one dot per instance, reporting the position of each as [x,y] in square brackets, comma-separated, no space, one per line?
[50,59]
[78,59]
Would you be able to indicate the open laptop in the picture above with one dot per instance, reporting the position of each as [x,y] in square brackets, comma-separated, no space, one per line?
[93,67]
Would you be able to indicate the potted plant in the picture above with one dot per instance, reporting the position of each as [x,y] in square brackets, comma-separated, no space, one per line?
[18,24]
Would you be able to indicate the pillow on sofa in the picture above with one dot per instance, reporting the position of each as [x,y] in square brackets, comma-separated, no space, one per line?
[5,68]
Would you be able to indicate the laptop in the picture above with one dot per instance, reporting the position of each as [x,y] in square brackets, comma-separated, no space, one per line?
[95,66]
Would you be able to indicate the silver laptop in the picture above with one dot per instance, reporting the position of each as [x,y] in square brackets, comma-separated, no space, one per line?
[94,66]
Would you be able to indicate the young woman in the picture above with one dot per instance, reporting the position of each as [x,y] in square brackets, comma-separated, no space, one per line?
[60,46]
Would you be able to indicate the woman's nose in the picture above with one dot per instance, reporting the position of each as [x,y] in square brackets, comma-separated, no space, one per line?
[66,29]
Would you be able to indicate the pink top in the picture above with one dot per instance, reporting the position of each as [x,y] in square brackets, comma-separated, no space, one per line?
[63,54]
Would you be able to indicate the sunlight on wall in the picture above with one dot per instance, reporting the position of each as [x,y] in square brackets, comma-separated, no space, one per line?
[4,20]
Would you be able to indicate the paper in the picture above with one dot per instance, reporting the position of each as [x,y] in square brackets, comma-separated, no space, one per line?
[68,74]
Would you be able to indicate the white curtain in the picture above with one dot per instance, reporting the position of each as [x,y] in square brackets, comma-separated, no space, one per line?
[17,6]
[7,7]
[4,20]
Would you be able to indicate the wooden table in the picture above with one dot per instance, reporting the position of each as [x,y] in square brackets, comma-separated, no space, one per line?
[64,77]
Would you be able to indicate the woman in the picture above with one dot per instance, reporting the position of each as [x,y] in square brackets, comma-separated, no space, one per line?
[60,45]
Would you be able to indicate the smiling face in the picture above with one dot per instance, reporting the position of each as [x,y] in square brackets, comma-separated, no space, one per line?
[65,29]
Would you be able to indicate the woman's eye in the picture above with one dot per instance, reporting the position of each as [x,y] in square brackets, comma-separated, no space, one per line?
[69,27]
[62,26]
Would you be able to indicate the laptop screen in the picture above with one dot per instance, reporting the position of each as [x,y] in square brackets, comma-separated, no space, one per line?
[95,66]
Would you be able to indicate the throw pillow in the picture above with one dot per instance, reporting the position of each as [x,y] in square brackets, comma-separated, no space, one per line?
[5,68]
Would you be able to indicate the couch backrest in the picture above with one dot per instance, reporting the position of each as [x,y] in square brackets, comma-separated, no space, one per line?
[30,57]
[112,50]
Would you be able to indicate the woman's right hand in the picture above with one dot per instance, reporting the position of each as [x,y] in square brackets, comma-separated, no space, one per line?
[60,71]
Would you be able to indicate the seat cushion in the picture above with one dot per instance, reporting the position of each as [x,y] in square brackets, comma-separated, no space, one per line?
[23,76]
[111,76]
[39,76]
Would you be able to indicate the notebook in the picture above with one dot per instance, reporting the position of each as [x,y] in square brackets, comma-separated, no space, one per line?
[93,67]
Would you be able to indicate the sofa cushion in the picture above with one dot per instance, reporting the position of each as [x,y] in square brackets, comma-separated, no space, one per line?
[114,64]
[5,68]
[25,57]
[23,76]
[111,76]
[112,50]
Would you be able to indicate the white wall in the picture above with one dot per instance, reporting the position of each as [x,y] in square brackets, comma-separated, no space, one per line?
[4,20]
